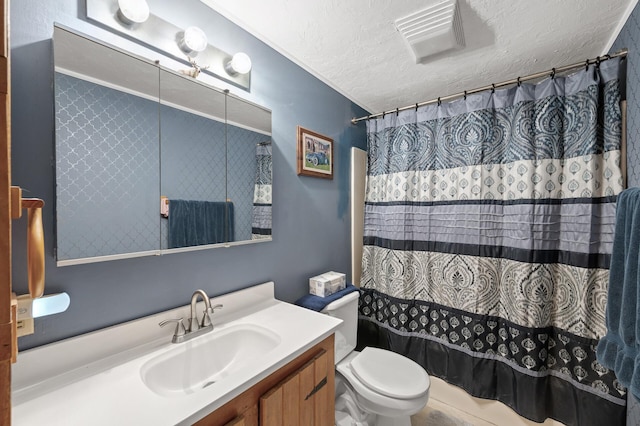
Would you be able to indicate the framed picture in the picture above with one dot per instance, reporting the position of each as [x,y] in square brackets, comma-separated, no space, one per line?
[315,154]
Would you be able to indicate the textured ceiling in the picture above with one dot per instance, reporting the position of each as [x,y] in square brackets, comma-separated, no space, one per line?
[354,47]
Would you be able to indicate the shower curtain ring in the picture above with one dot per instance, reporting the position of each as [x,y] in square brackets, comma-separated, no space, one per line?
[439,101]
[465,95]
[553,73]
[397,111]
[493,88]
[519,82]
[586,65]
[598,62]
[416,107]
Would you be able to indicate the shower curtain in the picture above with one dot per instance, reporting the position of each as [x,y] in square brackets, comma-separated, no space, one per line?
[487,241]
[261,218]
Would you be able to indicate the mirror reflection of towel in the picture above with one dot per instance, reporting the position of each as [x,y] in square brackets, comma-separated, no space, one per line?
[193,223]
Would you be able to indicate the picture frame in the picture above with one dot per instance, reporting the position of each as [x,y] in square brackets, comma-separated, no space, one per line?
[315,154]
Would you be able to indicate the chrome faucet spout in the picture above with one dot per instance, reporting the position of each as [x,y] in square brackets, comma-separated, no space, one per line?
[194,328]
[193,319]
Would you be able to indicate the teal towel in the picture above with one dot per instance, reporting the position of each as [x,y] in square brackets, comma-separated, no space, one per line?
[193,223]
[618,349]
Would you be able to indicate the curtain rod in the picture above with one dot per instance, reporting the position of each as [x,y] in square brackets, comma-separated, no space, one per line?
[552,72]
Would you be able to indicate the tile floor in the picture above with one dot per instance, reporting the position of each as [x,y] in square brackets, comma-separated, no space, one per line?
[437,413]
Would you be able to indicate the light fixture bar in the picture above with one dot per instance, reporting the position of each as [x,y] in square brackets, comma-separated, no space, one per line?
[162,36]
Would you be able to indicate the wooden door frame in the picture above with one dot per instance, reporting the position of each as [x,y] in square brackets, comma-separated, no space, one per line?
[6,327]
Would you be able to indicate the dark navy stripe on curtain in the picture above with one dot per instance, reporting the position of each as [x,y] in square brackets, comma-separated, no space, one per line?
[261,231]
[535,202]
[580,260]
[472,351]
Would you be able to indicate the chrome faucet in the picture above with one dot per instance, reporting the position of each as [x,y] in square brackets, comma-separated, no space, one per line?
[194,328]
[193,320]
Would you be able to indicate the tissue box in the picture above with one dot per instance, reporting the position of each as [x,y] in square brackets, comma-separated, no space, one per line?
[327,283]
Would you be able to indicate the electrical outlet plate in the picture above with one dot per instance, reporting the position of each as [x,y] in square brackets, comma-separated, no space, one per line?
[25,327]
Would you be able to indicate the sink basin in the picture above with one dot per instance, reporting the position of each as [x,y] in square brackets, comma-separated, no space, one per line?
[206,360]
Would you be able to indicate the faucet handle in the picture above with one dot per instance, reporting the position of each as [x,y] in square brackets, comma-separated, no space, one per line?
[213,308]
[180,330]
[206,319]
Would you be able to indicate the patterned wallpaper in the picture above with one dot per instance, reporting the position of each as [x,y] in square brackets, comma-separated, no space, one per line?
[193,164]
[99,130]
[629,38]
[193,159]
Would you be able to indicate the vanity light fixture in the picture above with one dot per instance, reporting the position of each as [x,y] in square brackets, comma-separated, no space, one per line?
[135,19]
[193,40]
[132,12]
[240,63]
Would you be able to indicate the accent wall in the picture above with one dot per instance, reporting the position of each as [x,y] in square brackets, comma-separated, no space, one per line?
[310,216]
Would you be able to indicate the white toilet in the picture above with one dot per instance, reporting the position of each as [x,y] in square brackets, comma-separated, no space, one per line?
[374,387]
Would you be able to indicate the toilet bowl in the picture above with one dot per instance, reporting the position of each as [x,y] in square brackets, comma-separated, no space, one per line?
[374,387]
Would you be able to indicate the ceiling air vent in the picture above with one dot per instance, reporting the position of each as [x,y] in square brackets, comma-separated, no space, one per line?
[435,29]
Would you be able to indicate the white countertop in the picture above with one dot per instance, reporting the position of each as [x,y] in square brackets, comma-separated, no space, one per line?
[95,378]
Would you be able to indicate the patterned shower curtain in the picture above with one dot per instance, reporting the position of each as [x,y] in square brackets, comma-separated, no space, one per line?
[487,242]
[261,218]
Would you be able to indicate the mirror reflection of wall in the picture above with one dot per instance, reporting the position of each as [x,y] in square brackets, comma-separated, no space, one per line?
[194,167]
[107,153]
[129,136]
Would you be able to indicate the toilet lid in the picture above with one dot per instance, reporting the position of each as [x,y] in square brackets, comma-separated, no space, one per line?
[390,374]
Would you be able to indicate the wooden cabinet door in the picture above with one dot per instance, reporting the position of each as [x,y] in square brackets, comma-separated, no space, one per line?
[245,409]
[304,398]
[238,421]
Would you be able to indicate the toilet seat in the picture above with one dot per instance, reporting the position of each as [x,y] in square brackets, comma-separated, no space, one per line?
[390,374]
[374,401]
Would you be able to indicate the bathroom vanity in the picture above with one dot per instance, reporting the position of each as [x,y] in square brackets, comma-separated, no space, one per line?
[283,394]
[262,354]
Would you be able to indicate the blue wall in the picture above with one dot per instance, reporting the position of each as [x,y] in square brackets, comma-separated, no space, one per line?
[629,38]
[310,217]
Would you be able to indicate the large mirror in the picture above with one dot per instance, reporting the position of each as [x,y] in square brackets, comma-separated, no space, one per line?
[150,161]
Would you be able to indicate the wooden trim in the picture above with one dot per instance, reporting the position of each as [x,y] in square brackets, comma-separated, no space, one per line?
[14,328]
[7,337]
[238,421]
[16,202]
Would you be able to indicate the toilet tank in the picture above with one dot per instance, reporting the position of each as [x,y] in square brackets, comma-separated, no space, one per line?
[346,309]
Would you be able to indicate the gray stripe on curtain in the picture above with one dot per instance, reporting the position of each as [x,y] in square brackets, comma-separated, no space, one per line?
[582,228]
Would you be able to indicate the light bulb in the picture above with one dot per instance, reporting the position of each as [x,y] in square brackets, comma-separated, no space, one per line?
[133,11]
[194,40]
[240,63]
